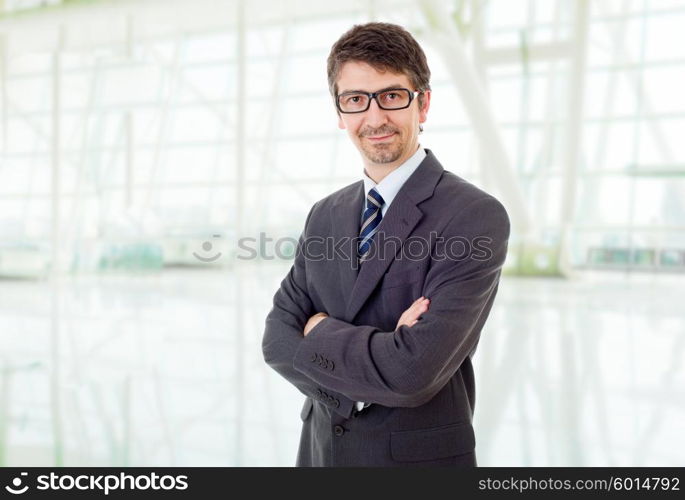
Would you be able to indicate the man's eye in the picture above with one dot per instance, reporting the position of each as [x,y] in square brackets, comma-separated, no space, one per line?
[353,99]
[392,95]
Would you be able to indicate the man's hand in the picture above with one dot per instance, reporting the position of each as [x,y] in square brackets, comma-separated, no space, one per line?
[409,317]
[313,321]
[412,314]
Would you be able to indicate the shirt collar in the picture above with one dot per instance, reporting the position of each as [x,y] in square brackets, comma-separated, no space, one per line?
[391,183]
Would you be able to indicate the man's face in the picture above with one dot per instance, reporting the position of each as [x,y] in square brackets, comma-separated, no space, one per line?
[384,137]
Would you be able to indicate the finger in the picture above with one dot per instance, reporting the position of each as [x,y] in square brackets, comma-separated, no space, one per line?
[420,302]
[414,316]
[412,309]
[421,307]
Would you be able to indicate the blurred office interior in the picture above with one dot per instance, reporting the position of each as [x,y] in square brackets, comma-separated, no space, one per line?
[140,140]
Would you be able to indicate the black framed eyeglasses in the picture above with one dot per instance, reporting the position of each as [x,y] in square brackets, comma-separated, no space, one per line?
[389,99]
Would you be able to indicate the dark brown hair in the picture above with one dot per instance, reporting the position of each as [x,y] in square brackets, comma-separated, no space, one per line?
[383,46]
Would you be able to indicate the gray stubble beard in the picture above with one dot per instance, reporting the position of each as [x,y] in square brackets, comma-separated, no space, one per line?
[382,153]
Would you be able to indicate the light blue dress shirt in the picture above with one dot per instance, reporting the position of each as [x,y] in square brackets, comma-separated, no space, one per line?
[388,189]
[391,183]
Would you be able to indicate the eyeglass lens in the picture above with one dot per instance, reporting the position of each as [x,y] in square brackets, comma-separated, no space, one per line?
[391,99]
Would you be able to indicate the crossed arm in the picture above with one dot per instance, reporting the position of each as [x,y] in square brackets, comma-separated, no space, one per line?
[407,366]
[284,329]
[408,318]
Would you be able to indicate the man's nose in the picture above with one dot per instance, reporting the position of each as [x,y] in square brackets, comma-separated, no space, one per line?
[375,116]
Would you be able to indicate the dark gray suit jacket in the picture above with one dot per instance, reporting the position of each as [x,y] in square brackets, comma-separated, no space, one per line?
[448,243]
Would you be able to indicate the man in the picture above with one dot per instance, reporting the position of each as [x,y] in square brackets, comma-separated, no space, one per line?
[380,339]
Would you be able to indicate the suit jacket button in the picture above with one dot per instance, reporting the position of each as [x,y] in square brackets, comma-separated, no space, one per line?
[336,403]
[331,365]
[319,392]
[313,358]
[339,431]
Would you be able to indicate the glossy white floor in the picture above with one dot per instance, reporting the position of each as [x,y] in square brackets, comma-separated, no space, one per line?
[166,369]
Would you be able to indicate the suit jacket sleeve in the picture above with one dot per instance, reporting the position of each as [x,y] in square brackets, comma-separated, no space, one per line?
[410,365]
[283,333]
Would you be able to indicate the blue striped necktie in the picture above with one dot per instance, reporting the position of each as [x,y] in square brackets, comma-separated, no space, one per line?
[372,217]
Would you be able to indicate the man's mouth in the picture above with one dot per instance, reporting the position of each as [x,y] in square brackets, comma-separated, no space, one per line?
[378,138]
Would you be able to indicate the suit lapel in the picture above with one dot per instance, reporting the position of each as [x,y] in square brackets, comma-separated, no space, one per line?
[344,228]
[398,223]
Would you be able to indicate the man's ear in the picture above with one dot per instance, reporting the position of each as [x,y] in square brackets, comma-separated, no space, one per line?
[423,112]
